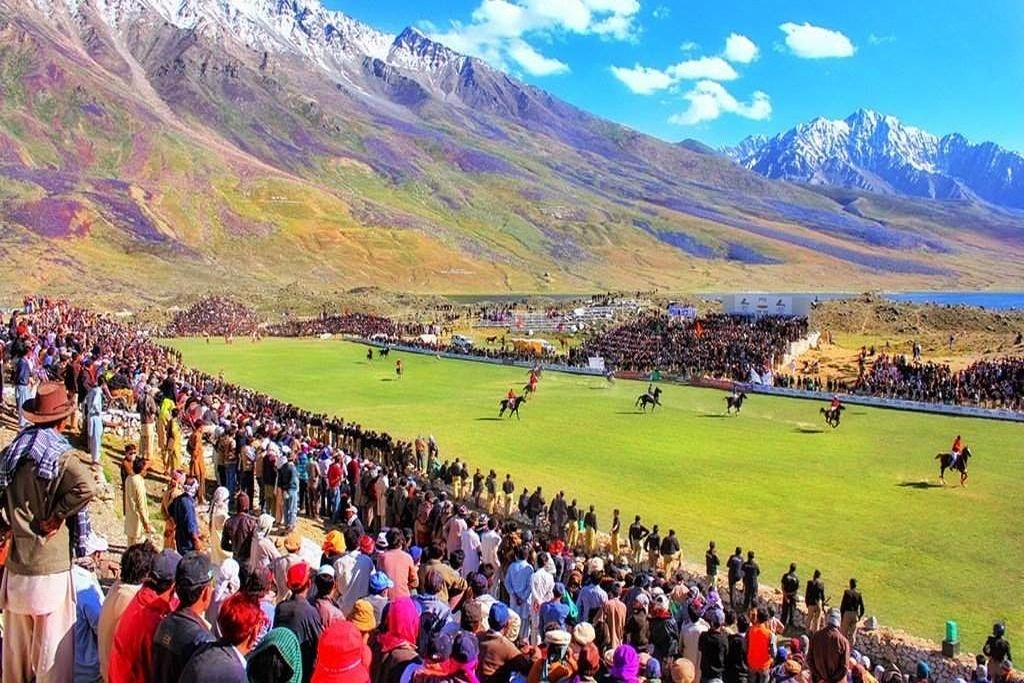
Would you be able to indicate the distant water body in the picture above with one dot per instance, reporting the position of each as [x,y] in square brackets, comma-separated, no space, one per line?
[1000,301]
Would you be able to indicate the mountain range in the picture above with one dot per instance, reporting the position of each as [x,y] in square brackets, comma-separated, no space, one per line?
[878,153]
[154,148]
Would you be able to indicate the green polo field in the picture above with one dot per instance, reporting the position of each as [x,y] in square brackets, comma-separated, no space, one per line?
[860,501]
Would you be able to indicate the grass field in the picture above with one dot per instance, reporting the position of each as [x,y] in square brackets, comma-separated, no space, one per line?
[860,501]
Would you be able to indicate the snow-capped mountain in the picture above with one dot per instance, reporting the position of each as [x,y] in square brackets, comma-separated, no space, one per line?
[878,153]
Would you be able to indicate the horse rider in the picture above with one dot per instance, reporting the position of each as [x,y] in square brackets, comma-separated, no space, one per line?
[511,396]
[533,382]
[955,450]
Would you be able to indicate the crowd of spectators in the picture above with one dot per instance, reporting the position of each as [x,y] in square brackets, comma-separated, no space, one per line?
[217,316]
[988,383]
[427,573]
[721,346]
[359,324]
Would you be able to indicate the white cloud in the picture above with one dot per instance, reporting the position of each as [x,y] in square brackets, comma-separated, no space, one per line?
[533,62]
[713,68]
[814,42]
[499,29]
[876,39]
[661,12]
[689,46]
[643,80]
[709,100]
[740,49]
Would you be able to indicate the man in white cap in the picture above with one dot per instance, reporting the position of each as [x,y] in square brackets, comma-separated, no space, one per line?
[829,656]
[43,484]
[89,597]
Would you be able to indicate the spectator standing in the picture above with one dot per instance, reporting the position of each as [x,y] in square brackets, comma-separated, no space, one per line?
[637,532]
[240,622]
[182,632]
[136,565]
[714,651]
[997,650]
[829,652]
[759,648]
[136,507]
[734,566]
[88,605]
[814,599]
[94,418]
[300,617]
[186,524]
[44,483]
[131,655]
[790,584]
[852,610]
[711,564]
[751,572]
[146,407]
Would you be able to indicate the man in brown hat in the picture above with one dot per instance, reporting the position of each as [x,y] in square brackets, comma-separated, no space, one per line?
[44,486]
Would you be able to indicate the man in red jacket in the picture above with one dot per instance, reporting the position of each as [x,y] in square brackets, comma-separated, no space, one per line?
[131,657]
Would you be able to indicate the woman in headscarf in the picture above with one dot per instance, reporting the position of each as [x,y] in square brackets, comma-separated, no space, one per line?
[218,515]
[395,649]
[333,547]
[264,551]
[175,487]
[625,666]
[277,659]
[228,583]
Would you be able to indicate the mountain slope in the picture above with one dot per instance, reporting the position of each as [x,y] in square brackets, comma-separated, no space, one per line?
[153,147]
[878,153]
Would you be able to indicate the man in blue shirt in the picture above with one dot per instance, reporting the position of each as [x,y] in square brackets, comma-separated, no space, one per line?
[22,375]
[518,581]
[182,632]
[555,611]
[186,524]
[89,602]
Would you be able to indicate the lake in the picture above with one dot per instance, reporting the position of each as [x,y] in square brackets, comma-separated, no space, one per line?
[992,300]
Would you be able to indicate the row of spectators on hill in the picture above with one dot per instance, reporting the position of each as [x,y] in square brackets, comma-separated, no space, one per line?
[410,584]
[722,346]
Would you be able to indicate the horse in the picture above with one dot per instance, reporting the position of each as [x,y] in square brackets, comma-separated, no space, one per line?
[511,406]
[832,415]
[383,353]
[946,462]
[528,389]
[491,340]
[651,399]
[735,402]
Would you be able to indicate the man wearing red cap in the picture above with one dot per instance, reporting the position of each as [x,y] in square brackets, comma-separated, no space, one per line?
[43,484]
[300,617]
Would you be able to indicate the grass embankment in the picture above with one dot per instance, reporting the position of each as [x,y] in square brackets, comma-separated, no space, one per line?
[859,501]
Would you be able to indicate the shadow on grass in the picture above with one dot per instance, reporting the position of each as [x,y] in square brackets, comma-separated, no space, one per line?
[919,485]
[809,430]
[630,412]
[717,416]
[387,379]
[489,419]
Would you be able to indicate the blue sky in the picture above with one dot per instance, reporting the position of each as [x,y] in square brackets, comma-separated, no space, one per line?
[718,71]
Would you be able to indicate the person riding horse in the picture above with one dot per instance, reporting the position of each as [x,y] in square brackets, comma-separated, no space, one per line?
[651,398]
[947,462]
[955,449]
[833,412]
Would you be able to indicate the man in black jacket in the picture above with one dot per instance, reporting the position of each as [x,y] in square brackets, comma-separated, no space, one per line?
[852,610]
[814,599]
[653,547]
[711,563]
[714,650]
[298,615]
[636,533]
[750,581]
[790,584]
[735,567]
[736,659]
[182,632]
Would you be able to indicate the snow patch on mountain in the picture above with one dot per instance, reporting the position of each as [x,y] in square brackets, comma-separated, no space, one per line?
[878,153]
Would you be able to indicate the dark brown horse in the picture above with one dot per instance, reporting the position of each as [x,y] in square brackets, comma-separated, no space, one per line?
[946,463]
[511,406]
[735,402]
[652,399]
[832,415]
